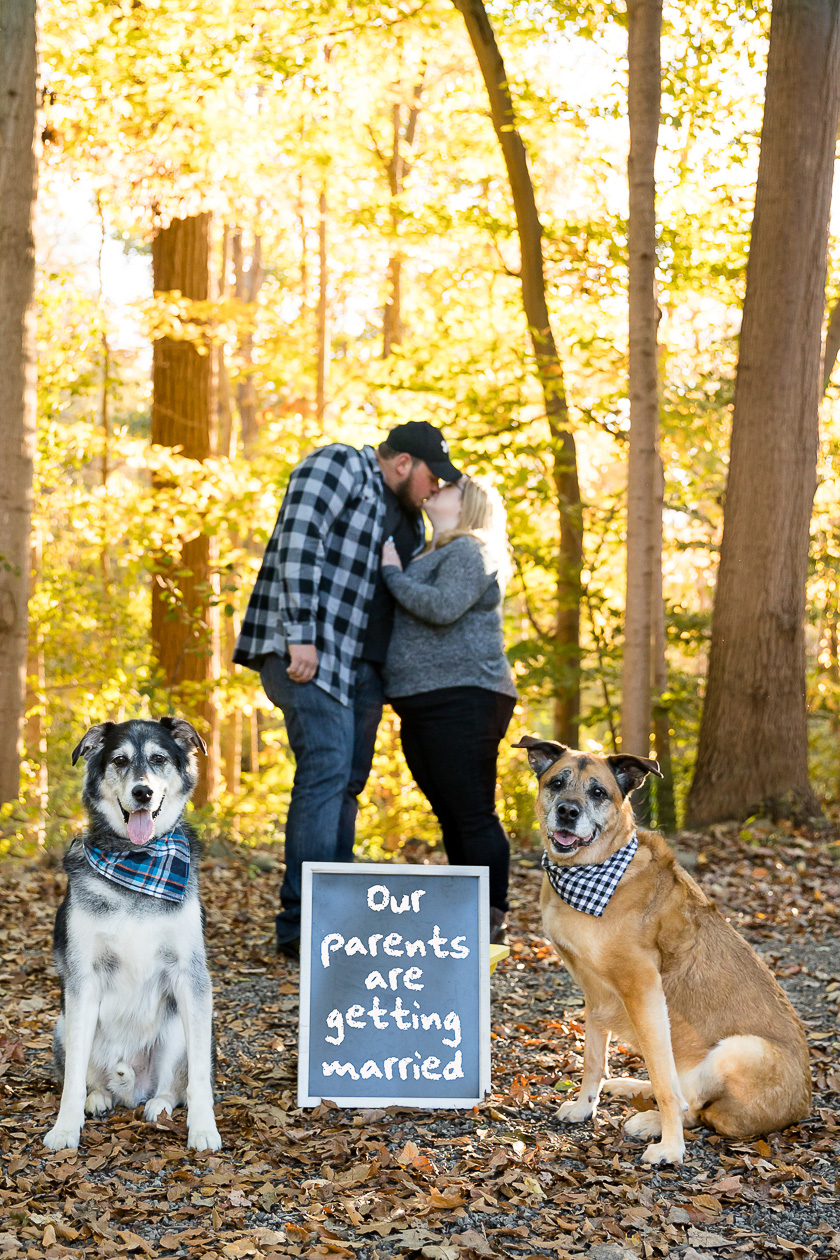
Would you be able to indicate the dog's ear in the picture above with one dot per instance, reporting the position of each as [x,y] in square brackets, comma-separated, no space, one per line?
[630,772]
[183,733]
[542,753]
[91,742]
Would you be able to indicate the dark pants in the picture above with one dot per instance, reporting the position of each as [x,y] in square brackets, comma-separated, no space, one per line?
[451,741]
[333,748]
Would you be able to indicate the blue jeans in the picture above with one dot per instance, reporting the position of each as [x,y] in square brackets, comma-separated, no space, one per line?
[333,748]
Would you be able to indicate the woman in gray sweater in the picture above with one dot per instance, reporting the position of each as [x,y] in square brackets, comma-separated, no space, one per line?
[448,679]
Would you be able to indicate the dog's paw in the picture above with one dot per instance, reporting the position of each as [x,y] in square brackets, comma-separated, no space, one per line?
[645,1124]
[60,1137]
[576,1112]
[98,1102]
[204,1138]
[122,1083]
[626,1087]
[664,1153]
[155,1107]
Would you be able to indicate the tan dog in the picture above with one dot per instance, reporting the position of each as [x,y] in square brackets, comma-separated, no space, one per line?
[661,969]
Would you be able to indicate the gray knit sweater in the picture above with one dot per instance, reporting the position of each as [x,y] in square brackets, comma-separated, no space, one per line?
[448,624]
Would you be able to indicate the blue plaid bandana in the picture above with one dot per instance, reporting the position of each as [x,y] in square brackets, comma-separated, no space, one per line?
[586,886]
[159,869]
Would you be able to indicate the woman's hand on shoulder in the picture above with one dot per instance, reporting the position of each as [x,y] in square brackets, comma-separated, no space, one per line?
[390,555]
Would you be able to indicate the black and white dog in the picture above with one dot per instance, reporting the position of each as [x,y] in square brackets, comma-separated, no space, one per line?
[136,1023]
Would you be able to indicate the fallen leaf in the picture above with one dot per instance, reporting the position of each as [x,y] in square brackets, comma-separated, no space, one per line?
[239,1247]
[475,1241]
[704,1238]
[133,1242]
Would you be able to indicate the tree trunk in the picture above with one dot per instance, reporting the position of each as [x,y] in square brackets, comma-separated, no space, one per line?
[549,371]
[392,329]
[832,344]
[322,367]
[104,411]
[666,809]
[247,288]
[397,168]
[392,317]
[753,750]
[833,641]
[185,623]
[18,192]
[35,729]
[231,738]
[644,523]
[224,410]
[230,724]
[300,207]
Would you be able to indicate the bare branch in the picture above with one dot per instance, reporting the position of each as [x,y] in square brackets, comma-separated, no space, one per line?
[386,162]
[832,344]
[540,633]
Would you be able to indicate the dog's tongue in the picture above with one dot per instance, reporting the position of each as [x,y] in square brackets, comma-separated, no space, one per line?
[140,826]
[566,839]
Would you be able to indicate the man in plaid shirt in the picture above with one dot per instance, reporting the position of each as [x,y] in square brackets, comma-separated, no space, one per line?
[317,628]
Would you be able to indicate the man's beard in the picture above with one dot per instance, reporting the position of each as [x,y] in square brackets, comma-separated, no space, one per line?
[403,496]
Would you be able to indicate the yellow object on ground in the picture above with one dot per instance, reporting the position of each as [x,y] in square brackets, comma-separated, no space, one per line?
[497,953]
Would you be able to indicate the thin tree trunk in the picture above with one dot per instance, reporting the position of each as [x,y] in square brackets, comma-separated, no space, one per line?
[832,344]
[397,168]
[232,725]
[833,638]
[251,744]
[392,329]
[36,710]
[322,368]
[185,623]
[392,317]
[224,410]
[104,555]
[18,193]
[549,371]
[666,809]
[105,558]
[248,284]
[753,749]
[304,270]
[602,674]
[644,530]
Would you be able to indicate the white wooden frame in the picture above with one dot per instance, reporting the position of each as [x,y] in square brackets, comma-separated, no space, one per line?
[391,869]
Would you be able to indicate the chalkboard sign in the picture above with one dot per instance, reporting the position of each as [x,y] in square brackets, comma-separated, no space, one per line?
[394,985]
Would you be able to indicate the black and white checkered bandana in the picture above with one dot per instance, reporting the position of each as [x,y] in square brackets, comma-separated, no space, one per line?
[589,887]
[160,869]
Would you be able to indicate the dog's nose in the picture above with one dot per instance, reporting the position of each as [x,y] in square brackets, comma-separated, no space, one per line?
[142,794]
[568,811]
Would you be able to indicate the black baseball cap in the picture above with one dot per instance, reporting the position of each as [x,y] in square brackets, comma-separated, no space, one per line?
[423,441]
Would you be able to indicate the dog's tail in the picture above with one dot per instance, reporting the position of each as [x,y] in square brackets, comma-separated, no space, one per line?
[748,1085]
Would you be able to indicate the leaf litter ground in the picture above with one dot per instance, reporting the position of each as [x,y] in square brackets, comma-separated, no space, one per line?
[502,1180]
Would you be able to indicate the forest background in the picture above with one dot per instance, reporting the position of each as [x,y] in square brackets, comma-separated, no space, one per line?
[339,165]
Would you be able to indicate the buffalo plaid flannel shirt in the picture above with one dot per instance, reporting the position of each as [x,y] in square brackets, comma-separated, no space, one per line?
[319,567]
[160,869]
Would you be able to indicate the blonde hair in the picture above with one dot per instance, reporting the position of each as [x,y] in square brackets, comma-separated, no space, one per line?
[483,516]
